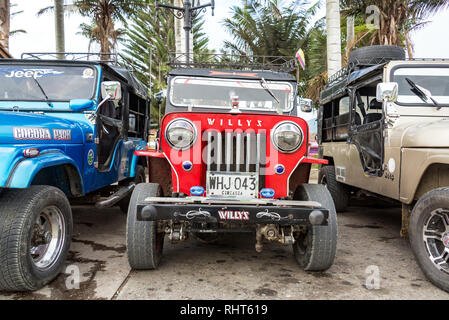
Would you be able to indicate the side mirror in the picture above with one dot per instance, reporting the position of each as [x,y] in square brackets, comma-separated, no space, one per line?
[305,105]
[111,90]
[81,104]
[387,91]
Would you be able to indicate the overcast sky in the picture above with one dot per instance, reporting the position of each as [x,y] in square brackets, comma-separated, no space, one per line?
[430,42]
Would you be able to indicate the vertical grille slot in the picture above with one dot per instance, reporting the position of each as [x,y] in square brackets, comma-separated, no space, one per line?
[235,151]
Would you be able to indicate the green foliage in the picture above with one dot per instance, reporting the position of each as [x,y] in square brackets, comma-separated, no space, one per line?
[148,41]
[104,14]
[279,29]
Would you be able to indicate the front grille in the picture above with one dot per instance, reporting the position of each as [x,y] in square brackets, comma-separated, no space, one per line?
[235,151]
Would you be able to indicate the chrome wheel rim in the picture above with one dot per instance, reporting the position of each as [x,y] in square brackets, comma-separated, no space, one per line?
[436,238]
[47,238]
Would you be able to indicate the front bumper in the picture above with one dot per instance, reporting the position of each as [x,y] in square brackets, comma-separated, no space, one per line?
[251,212]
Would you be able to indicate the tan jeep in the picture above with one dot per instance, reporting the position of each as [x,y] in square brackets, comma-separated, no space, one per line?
[384,127]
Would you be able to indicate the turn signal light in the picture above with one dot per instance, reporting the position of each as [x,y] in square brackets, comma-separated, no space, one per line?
[267,193]
[197,191]
[31,153]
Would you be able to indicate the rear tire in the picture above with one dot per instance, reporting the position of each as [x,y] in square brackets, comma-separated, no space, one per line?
[139,178]
[430,218]
[315,250]
[339,192]
[144,243]
[35,233]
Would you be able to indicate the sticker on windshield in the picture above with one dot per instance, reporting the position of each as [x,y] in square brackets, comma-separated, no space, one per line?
[88,73]
[28,73]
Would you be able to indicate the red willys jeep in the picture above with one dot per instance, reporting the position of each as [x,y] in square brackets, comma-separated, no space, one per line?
[231,155]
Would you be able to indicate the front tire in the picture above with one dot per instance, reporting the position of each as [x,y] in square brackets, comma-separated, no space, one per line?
[429,236]
[338,191]
[315,249]
[144,243]
[35,232]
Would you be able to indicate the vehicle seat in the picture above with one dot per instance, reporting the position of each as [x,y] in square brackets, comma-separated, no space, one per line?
[372,117]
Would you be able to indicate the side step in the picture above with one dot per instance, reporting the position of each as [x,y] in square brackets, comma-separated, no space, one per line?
[116,197]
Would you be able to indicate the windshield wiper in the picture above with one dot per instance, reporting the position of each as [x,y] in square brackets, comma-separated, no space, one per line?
[264,85]
[43,92]
[422,93]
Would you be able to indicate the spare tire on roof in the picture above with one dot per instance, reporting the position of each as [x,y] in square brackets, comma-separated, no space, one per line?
[373,55]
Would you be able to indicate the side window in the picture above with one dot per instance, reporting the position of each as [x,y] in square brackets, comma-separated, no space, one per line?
[342,120]
[109,109]
[367,108]
[336,119]
[344,105]
[137,116]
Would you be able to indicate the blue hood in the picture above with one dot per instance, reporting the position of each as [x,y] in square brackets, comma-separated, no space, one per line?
[15,125]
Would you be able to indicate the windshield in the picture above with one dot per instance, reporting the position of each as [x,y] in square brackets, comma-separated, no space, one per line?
[436,80]
[21,82]
[219,93]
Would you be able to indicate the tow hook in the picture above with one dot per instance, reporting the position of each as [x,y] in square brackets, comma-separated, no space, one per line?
[176,234]
[271,232]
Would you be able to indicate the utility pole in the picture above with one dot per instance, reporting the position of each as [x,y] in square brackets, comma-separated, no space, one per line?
[187,12]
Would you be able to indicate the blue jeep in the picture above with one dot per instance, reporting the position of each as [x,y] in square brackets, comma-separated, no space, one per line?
[68,132]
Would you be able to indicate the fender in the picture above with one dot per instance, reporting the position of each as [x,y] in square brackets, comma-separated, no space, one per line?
[415,162]
[134,159]
[26,169]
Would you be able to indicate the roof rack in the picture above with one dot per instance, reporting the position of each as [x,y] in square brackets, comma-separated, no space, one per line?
[232,61]
[366,63]
[73,56]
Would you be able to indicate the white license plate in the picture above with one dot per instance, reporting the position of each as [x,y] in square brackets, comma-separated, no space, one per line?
[232,185]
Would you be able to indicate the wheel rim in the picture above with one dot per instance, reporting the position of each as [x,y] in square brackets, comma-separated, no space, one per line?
[436,238]
[48,237]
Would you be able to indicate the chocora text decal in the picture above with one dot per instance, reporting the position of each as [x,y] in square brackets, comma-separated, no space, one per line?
[28,133]
[21,133]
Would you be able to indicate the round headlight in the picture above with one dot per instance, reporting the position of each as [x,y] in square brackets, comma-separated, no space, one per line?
[287,137]
[180,134]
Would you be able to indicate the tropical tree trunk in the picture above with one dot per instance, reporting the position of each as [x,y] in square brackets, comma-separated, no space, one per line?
[333,36]
[59,27]
[5,13]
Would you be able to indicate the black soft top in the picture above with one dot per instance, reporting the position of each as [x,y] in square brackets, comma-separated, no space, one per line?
[233,74]
[122,73]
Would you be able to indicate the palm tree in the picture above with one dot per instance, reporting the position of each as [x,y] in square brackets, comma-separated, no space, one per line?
[104,15]
[397,18]
[59,8]
[5,13]
[333,36]
[59,27]
[148,43]
[278,29]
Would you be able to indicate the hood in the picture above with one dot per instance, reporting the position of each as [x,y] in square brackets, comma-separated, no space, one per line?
[433,134]
[29,128]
